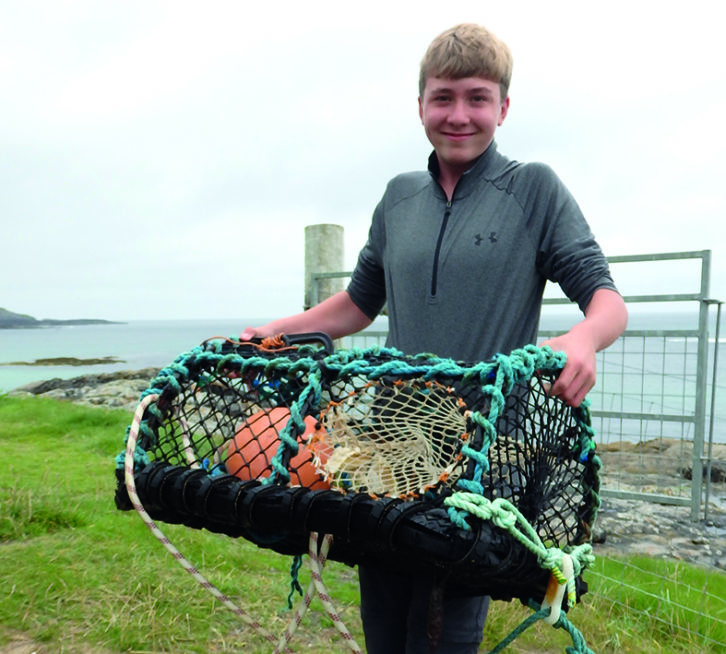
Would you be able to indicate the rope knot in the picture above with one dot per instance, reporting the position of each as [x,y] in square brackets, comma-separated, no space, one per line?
[551,559]
[503,518]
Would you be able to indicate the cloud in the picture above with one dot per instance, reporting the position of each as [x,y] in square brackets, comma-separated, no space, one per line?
[162,160]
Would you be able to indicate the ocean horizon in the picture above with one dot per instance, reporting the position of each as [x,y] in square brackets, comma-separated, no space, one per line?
[135,344]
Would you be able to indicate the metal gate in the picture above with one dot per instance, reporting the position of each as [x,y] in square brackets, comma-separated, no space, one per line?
[651,399]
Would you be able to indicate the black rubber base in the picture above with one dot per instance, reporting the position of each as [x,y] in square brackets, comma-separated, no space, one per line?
[414,536]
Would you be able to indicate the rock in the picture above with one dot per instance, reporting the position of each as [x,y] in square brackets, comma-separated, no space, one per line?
[667,456]
[616,446]
[659,530]
[599,535]
[119,389]
[718,471]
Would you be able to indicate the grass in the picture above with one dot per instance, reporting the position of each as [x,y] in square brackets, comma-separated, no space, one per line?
[76,575]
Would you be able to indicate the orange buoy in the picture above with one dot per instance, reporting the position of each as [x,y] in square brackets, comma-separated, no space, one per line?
[250,452]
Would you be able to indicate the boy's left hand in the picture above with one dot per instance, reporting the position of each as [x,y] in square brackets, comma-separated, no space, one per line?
[605,319]
[578,375]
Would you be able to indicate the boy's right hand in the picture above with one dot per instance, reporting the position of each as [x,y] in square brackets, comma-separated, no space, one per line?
[248,333]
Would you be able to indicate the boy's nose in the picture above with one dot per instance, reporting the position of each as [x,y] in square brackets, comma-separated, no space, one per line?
[458,114]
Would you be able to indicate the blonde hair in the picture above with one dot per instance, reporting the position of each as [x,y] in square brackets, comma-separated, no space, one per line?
[467,50]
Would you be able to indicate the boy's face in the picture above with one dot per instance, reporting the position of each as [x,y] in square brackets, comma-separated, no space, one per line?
[460,117]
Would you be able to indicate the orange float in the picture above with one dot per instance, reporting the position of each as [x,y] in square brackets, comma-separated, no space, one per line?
[254,445]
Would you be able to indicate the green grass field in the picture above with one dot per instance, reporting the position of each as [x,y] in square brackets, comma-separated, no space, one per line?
[76,575]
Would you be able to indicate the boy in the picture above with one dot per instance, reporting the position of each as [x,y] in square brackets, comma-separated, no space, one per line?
[461,254]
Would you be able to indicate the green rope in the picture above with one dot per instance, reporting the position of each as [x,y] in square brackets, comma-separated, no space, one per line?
[295,586]
[294,427]
[505,515]
[520,629]
[578,641]
[141,458]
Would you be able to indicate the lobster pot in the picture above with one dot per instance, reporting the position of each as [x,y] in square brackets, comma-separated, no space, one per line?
[372,447]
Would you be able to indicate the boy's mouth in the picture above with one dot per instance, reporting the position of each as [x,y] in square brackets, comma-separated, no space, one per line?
[457,136]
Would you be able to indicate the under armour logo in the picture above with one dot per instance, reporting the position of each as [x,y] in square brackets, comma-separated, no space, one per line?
[492,238]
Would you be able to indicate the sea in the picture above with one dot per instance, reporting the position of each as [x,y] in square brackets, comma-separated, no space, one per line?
[135,344]
[140,344]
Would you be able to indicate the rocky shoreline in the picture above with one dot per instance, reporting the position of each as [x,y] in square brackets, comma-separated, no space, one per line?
[662,531]
[113,390]
[66,361]
[623,525]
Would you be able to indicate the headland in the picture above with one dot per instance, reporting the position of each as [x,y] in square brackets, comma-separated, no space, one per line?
[12,320]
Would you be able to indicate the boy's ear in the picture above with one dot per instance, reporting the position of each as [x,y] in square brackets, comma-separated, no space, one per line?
[420,108]
[503,111]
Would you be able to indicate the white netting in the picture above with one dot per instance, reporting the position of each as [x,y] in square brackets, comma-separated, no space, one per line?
[396,440]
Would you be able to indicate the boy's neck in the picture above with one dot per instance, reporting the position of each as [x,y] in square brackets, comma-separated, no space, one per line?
[448,179]
[448,175]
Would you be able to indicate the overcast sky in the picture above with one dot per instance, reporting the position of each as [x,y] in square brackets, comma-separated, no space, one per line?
[162,159]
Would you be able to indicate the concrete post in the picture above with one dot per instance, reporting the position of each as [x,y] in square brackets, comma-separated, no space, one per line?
[323,254]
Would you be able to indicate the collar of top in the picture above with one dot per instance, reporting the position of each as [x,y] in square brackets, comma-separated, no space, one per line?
[482,165]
